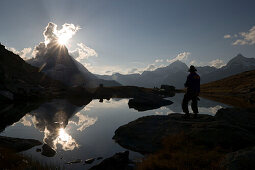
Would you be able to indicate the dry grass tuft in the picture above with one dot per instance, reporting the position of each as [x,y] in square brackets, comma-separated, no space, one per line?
[181,153]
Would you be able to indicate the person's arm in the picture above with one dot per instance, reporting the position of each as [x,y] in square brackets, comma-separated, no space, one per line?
[187,83]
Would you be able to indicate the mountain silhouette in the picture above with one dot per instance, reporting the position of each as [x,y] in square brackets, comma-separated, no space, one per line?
[58,64]
[176,72]
[18,79]
[236,65]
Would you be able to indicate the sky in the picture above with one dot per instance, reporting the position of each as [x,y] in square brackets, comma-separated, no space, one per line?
[130,36]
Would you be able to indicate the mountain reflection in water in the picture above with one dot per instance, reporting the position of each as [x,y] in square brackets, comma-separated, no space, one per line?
[53,117]
[85,131]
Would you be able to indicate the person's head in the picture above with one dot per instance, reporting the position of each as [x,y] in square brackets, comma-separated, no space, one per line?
[192,69]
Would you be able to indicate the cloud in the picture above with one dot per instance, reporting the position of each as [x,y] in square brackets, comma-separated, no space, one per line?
[196,63]
[245,38]
[25,54]
[133,70]
[39,50]
[227,36]
[83,52]
[239,42]
[181,57]
[83,121]
[150,67]
[159,60]
[141,67]
[51,35]
[26,120]
[217,63]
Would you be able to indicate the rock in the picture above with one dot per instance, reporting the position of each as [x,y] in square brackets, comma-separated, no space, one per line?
[74,162]
[238,117]
[99,158]
[38,150]
[230,128]
[116,162]
[48,151]
[239,160]
[148,102]
[17,144]
[89,161]
[8,95]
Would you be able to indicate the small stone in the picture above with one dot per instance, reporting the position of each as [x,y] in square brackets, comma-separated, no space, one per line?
[48,151]
[74,162]
[38,150]
[89,161]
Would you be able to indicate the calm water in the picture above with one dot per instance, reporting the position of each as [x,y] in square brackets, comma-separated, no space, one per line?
[87,131]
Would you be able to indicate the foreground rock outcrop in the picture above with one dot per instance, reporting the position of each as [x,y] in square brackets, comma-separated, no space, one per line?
[229,128]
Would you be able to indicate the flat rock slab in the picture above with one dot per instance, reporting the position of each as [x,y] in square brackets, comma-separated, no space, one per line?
[233,128]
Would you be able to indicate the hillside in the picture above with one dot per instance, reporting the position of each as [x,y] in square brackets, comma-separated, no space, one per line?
[238,89]
[20,80]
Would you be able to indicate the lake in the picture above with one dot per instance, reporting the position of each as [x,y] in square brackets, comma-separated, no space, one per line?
[86,132]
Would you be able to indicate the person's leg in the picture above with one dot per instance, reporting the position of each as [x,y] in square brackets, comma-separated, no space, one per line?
[185,103]
[194,105]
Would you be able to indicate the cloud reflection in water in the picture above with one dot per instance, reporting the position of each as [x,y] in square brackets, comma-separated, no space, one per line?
[52,119]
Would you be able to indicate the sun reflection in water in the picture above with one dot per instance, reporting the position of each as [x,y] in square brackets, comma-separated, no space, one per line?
[66,140]
[63,135]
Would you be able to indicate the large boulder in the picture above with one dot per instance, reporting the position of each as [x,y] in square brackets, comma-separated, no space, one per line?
[48,151]
[145,102]
[145,134]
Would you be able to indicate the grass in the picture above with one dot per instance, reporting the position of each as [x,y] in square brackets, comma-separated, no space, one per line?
[181,153]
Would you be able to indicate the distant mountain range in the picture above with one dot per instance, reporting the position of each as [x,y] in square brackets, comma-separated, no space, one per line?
[175,74]
[59,65]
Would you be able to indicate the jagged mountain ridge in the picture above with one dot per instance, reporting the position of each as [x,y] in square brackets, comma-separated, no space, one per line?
[175,73]
[236,65]
[58,64]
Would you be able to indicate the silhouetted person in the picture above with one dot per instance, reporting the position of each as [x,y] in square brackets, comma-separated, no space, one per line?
[193,89]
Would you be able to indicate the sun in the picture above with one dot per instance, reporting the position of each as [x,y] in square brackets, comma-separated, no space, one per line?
[63,39]
[65,33]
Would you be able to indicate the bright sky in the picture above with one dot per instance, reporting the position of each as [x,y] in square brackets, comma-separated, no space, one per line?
[133,35]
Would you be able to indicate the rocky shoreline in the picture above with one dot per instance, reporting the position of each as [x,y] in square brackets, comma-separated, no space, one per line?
[231,129]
